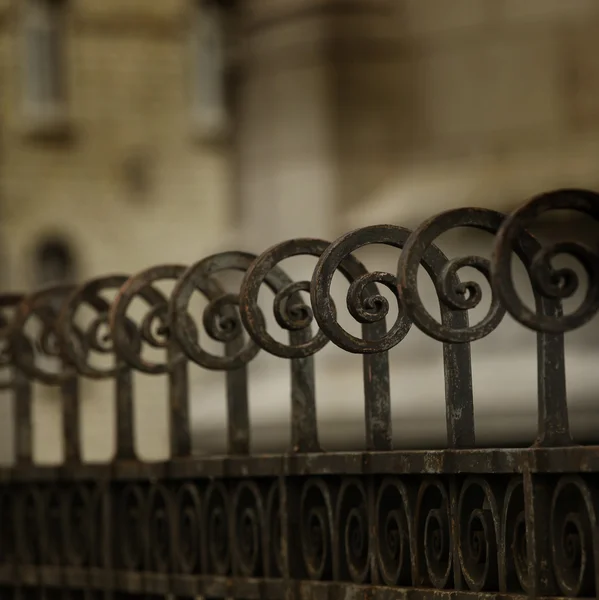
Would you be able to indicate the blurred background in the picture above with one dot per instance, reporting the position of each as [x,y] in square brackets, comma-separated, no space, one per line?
[137,132]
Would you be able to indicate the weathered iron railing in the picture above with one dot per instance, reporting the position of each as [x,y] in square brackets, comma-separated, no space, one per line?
[306,523]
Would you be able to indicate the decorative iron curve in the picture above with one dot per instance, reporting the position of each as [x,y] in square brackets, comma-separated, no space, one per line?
[510,522]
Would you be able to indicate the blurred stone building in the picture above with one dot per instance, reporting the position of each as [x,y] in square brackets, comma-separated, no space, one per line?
[137,132]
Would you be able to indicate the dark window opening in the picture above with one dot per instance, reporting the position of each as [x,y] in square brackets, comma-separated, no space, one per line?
[54,262]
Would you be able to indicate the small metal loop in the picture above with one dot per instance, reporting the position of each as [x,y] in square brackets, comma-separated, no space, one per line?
[189,532]
[8,302]
[45,306]
[394,532]
[290,311]
[572,529]
[97,337]
[479,531]
[514,556]
[352,525]
[548,282]
[220,317]
[9,528]
[364,301]
[249,529]
[160,528]
[453,294]
[30,530]
[275,560]
[433,532]
[216,524]
[131,523]
[154,328]
[316,529]
[77,524]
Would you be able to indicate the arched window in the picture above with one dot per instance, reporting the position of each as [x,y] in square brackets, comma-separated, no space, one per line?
[53,262]
[208,44]
[44,60]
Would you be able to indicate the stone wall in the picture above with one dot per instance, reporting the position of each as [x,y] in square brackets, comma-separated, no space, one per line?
[351,112]
[128,105]
[128,67]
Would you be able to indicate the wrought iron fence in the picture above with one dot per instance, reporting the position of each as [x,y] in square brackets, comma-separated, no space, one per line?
[456,522]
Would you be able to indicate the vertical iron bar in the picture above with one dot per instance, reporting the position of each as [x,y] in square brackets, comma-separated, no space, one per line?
[304,428]
[69,391]
[377,392]
[553,425]
[238,416]
[23,440]
[178,386]
[537,503]
[125,427]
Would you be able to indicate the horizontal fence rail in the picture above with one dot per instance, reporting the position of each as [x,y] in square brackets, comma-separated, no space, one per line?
[458,522]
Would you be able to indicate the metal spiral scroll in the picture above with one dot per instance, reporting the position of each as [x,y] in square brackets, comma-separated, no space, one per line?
[8,302]
[316,531]
[455,296]
[131,525]
[99,522]
[249,529]
[77,525]
[8,516]
[189,530]
[293,317]
[290,311]
[433,534]
[216,524]
[154,330]
[479,531]
[364,301]
[394,532]
[52,533]
[160,529]
[97,337]
[517,570]
[44,305]
[573,530]
[353,530]
[548,282]
[220,317]
[29,523]
[274,532]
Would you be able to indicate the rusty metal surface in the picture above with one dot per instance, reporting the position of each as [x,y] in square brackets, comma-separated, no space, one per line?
[460,522]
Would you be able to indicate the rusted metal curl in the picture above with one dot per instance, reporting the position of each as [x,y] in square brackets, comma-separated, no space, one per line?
[216,522]
[160,529]
[153,327]
[131,510]
[353,531]
[316,529]
[43,306]
[454,295]
[29,525]
[53,531]
[275,555]
[394,532]
[189,531]
[434,534]
[8,304]
[220,317]
[97,337]
[550,283]
[77,524]
[573,536]
[479,535]
[249,529]
[516,570]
